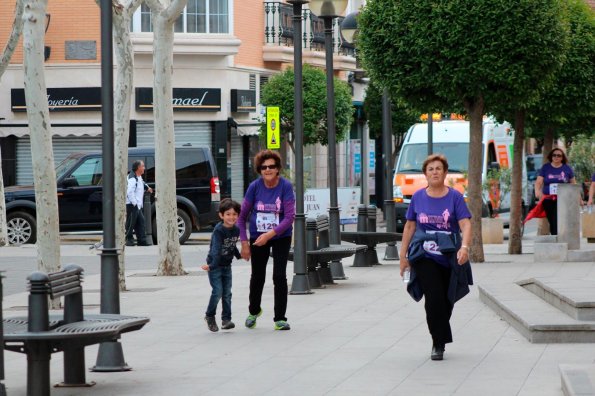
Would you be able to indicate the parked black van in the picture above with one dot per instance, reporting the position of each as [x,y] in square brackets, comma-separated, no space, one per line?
[79,179]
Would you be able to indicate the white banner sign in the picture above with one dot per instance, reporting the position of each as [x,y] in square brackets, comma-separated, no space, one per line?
[317,202]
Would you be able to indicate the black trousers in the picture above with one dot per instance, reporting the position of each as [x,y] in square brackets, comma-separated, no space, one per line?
[551,212]
[434,279]
[260,258]
[135,221]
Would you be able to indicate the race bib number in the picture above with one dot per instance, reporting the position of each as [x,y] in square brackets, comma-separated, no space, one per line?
[266,221]
[432,248]
[554,189]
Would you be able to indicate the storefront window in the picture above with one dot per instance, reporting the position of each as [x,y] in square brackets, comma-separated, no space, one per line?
[199,16]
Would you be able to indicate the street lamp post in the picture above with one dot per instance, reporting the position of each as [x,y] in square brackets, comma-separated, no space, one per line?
[300,283]
[391,252]
[327,10]
[110,356]
[349,30]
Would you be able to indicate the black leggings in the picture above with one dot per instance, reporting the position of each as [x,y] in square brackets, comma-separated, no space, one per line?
[260,257]
[434,279]
[551,212]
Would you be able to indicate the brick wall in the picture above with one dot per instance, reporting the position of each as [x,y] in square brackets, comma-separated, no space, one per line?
[249,27]
[69,20]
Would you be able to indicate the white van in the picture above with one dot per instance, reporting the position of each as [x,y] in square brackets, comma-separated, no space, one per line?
[451,138]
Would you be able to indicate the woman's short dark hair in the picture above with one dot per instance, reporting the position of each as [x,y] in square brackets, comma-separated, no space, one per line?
[227,203]
[265,155]
[432,158]
[551,154]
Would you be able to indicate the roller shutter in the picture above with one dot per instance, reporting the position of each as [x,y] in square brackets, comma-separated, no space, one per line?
[198,134]
[237,170]
[63,147]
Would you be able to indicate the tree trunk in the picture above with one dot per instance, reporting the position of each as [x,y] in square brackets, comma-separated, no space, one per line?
[170,259]
[122,99]
[11,44]
[475,110]
[543,227]
[44,174]
[515,245]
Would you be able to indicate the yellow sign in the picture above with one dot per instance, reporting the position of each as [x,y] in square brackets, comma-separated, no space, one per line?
[273,128]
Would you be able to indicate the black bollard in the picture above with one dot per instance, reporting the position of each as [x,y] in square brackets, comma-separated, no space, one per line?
[38,361]
[313,277]
[362,226]
[362,218]
[148,218]
[371,254]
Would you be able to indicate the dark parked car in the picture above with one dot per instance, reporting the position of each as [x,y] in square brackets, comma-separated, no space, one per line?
[79,179]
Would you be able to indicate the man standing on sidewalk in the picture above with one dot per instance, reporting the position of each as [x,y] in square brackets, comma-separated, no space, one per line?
[135,220]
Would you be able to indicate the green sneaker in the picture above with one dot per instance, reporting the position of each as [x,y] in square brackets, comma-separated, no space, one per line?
[251,320]
[282,325]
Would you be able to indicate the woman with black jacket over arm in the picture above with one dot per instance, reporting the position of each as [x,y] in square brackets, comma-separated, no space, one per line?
[435,214]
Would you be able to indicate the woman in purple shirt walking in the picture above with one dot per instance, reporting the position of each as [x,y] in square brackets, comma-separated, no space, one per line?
[550,176]
[269,208]
[436,209]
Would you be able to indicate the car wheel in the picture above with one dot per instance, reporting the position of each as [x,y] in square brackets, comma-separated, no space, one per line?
[184,227]
[22,228]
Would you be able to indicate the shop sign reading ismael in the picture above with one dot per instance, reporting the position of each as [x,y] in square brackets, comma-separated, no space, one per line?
[273,127]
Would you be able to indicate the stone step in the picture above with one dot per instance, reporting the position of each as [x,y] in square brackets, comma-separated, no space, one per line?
[581,256]
[578,379]
[534,318]
[575,297]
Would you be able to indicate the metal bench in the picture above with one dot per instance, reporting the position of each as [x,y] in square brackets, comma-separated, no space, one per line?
[366,235]
[319,253]
[323,229]
[40,334]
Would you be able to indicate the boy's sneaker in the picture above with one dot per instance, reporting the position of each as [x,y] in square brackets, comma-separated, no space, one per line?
[211,323]
[227,325]
[251,320]
[282,325]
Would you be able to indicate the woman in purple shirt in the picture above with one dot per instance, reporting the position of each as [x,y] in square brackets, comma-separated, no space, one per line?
[436,209]
[269,208]
[550,176]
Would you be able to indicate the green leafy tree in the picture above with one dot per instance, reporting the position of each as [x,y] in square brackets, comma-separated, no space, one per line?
[279,91]
[582,157]
[448,54]
[402,115]
[566,106]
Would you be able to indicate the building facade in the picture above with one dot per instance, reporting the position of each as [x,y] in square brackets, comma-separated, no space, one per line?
[224,52]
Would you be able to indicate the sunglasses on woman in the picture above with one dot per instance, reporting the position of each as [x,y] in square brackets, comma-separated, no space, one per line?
[265,167]
[557,155]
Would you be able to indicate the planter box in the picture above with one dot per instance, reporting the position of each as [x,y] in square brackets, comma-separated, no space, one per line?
[588,221]
[492,231]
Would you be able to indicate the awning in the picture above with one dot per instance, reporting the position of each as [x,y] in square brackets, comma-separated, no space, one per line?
[75,130]
[248,130]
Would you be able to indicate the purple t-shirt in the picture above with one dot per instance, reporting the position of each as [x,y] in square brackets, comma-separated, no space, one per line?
[437,215]
[553,176]
[593,177]
[267,209]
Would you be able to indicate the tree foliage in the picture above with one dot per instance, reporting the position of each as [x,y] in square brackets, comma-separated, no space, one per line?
[279,91]
[581,156]
[444,55]
[402,115]
[566,104]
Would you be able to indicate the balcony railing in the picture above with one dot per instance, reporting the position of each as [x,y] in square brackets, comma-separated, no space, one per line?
[278,29]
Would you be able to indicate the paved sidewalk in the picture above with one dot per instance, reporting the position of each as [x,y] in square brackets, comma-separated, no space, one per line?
[362,336]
